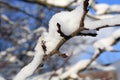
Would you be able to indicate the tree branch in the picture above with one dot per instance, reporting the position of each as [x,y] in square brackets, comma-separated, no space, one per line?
[76,69]
[75,33]
[61,33]
[104,23]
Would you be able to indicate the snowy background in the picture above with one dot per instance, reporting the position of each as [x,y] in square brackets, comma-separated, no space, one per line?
[22,23]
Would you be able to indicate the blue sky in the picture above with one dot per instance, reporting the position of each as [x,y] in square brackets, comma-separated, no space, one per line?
[109,1]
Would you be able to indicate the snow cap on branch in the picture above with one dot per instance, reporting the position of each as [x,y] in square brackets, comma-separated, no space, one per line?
[106,43]
[62,25]
[101,8]
[116,34]
[59,2]
[69,21]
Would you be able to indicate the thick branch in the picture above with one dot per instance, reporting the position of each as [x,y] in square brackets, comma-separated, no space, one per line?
[81,25]
[75,33]
[87,32]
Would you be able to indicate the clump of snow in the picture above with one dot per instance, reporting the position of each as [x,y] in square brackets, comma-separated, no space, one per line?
[104,22]
[69,21]
[59,2]
[106,43]
[28,70]
[50,42]
[116,34]
[114,8]
[101,8]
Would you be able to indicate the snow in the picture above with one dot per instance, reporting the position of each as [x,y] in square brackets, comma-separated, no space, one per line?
[69,21]
[116,34]
[72,18]
[113,67]
[106,43]
[104,16]
[101,8]
[32,66]
[59,2]
[74,69]
[105,8]
[50,42]
[99,23]
[114,8]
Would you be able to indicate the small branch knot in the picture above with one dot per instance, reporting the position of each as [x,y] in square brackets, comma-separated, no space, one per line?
[61,33]
[44,46]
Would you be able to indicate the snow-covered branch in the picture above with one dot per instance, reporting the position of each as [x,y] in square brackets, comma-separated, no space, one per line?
[62,27]
[101,46]
[28,70]
[52,40]
[4,17]
[103,23]
[105,8]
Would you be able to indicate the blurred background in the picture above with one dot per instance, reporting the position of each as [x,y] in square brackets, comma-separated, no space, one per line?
[23,21]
